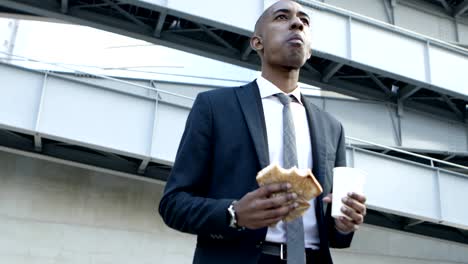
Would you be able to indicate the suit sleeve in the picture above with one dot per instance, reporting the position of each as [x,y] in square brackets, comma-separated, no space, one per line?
[183,205]
[337,238]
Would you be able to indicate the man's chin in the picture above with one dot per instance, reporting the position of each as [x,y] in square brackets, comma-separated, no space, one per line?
[295,64]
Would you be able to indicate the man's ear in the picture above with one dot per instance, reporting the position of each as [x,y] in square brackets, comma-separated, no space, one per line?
[256,43]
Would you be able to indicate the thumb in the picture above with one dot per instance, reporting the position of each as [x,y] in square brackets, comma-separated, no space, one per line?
[328,198]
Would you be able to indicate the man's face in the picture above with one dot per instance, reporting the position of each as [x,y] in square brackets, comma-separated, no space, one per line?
[284,35]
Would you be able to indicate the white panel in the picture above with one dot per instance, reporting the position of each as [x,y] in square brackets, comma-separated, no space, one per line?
[170,124]
[367,121]
[452,77]
[463,33]
[97,116]
[457,141]
[398,186]
[453,192]
[20,95]
[370,8]
[426,132]
[331,38]
[388,51]
[5,35]
[226,12]
[425,23]
[446,30]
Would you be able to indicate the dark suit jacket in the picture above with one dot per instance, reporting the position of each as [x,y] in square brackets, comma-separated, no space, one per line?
[223,147]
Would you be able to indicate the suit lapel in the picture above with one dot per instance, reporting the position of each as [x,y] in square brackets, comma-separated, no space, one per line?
[251,104]
[319,152]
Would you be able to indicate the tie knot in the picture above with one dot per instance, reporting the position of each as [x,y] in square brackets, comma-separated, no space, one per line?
[284,99]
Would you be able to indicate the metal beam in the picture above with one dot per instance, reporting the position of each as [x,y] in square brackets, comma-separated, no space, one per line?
[160,24]
[85,6]
[452,106]
[125,13]
[413,223]
[246,51]
[353,77]
[446,6]
[461,8]
[389,11]
[408,91]
[64,6]
[343,87]
[311,69]
[143,166]
[449,157]
[330,71]
[183,30]
[216,37]
[380,84]
[37,142]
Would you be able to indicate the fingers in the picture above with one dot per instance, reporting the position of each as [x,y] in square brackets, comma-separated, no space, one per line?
[358,197]
[261,208]
[357,206]
[328,198]
[345,225]
[275,202]
[279,212]
[354,208]
[356,218]
[271,216]
[269,189]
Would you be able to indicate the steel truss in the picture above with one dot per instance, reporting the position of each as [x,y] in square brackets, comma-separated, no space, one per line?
[183,32]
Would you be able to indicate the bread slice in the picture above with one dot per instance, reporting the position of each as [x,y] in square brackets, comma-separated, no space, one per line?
[303,183]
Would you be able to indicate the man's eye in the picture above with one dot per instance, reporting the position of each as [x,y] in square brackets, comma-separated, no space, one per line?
[281,17]
[305,21]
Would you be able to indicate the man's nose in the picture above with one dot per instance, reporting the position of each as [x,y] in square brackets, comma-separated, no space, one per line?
[296,23]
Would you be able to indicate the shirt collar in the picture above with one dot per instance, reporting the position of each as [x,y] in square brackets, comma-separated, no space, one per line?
[267,89]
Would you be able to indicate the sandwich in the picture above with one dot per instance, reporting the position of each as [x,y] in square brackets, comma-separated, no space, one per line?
[303,183]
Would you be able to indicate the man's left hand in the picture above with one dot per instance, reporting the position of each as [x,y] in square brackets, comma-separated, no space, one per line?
[355,209]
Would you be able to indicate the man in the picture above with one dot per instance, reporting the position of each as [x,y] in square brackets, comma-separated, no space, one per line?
[233,133]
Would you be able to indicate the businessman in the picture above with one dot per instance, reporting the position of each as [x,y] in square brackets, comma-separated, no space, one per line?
[233,133]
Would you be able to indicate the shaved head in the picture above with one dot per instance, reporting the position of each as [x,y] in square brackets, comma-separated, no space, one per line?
[281,35]
[261,20]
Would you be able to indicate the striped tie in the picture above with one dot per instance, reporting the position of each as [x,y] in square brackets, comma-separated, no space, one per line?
[295,228]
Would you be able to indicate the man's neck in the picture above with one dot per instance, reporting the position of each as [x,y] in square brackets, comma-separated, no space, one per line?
[285,79]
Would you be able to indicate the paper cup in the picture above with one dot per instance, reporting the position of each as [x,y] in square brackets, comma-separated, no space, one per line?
[345,180]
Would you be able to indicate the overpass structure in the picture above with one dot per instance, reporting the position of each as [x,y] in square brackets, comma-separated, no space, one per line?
[353,54]
[133,128]
[408,100]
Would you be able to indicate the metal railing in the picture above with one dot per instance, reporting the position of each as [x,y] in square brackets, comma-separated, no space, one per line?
[430,159]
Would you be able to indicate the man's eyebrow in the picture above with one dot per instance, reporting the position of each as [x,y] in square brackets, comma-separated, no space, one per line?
[304,14]
[282,10]
[287,11]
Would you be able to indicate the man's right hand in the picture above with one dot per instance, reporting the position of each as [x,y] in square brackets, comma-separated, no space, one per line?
[259,209]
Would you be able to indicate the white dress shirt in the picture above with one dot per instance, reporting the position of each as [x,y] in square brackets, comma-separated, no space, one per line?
[273,111]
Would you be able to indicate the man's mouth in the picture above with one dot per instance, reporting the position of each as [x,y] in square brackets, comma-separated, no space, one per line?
[296,40]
